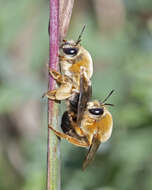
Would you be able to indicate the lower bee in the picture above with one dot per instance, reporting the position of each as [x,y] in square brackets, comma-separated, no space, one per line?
[94,128]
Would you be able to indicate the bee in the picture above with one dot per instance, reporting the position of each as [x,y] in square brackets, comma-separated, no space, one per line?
[72,57]
[73,61]
[95,126]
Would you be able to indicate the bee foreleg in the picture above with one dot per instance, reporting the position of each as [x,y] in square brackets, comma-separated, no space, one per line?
[61,79]
[76,127]
[50,94]
[56,75]
[72,140]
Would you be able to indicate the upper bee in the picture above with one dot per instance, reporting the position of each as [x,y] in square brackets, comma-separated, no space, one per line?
[73,56]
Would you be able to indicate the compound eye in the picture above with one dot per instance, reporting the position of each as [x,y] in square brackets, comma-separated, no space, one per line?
[96,111]
[70,51]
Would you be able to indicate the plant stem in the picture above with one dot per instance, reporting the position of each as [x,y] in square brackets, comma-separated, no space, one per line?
[59,19]
[53,156]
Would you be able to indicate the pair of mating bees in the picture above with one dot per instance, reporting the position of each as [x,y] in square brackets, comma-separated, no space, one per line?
[85,123]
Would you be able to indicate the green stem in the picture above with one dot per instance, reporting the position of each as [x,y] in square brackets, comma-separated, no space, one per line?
[53,156]
[59,20]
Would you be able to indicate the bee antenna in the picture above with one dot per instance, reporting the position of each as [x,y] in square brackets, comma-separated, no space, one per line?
[107,104]
[108,96]
[80,35]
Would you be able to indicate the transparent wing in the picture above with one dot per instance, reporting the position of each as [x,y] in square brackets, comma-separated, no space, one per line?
[84,96]
[91,153]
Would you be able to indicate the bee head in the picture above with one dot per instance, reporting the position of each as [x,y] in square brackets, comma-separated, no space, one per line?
[71,49]
[95,109]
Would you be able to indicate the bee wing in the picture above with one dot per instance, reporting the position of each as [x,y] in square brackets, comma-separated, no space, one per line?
[84,96]
[92,150]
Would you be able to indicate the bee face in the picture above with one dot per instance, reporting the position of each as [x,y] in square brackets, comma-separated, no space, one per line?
[95,109]
[69,49]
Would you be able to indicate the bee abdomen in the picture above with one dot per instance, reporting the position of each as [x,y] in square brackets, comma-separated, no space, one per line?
[65,122]
[74,102]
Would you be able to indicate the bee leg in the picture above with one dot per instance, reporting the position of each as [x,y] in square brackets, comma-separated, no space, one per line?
[61,79]
[72,140]
[64,91]
[61,93]
[50,94]
[56,75]
[76,127]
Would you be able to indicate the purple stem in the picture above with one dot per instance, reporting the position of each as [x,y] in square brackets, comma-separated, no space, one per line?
[53,148]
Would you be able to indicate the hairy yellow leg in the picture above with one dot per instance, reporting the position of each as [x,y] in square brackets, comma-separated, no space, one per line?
[50,94]
[72,140]
[56,75]
[77,129]
[60,93]
[61,79]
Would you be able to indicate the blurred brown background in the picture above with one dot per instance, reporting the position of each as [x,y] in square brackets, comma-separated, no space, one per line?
[119,38]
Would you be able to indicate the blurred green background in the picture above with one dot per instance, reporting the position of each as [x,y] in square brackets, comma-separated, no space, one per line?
[119,39]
